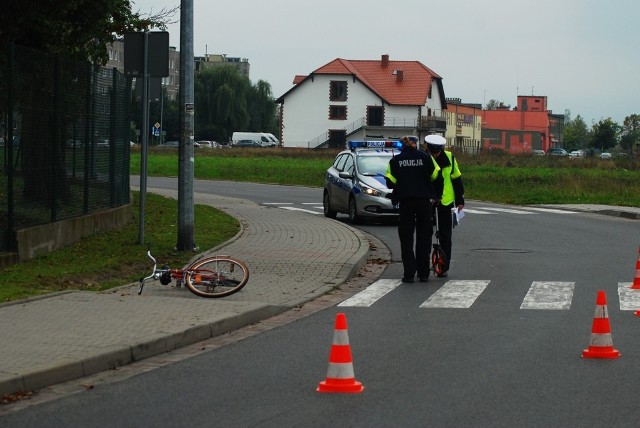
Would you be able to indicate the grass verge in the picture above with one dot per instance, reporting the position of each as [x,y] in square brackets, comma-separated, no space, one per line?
[110,259]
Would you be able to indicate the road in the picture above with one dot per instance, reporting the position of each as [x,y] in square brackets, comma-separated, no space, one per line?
[496,350]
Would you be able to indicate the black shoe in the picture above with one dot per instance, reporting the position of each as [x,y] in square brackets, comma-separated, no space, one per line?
[424,279]
[443,275]
[407,280]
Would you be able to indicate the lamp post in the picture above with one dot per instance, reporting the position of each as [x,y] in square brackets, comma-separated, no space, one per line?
[186,96]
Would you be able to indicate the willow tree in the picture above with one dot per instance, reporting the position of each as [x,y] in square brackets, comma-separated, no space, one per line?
[226,101]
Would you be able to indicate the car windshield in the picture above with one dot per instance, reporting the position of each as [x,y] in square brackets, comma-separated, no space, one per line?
[373,165]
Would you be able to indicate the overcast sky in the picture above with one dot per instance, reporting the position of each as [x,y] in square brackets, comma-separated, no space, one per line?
[583,55]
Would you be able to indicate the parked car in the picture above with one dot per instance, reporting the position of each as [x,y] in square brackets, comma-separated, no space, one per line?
[577,154]
[538,152]
[169,145]
[205,144]
[102,143]
[355,183]
[557,151]
[249,143]
[605,155]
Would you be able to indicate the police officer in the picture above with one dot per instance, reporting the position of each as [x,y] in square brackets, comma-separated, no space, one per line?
[415,179]
[452,193]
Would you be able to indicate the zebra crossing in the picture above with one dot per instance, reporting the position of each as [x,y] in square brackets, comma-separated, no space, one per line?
[316,208]
[462,294]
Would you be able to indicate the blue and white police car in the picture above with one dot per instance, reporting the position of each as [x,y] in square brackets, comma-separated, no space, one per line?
[355,183]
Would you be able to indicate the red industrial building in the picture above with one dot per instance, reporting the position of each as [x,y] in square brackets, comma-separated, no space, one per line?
[526,127]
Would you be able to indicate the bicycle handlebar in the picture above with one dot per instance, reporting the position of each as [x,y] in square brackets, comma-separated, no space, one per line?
[152,274]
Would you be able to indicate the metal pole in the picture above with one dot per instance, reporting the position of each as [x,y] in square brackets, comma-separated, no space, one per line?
[145,135]
[185,168]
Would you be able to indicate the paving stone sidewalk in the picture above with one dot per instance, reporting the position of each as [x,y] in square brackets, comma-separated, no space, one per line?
[293,257]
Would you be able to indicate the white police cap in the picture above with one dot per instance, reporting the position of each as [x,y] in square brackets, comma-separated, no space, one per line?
[436,140]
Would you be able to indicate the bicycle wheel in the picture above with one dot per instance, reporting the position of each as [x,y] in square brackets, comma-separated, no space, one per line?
[216,276]
[438,260]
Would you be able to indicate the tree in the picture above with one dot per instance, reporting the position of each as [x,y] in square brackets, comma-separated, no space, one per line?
[576,133]
[262,108]
[497,105]
[630,132]
[605,134]
[227,102]
[79,29]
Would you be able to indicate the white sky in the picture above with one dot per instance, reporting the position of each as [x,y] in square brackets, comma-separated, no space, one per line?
[584,55]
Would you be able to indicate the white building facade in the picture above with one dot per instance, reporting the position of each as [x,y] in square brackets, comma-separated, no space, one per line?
[359,100]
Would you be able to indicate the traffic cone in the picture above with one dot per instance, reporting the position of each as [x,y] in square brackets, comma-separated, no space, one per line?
[601,345]
[636,279]
[340,377]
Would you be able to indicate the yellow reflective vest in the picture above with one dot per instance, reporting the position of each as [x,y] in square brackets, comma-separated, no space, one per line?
[449,173]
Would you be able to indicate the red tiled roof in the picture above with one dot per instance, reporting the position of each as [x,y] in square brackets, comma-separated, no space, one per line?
[413,89]
[298,78]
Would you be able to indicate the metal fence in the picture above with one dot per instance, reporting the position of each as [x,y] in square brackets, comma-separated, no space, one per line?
[65,140]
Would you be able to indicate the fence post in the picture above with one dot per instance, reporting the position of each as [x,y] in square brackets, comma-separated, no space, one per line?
[10,241]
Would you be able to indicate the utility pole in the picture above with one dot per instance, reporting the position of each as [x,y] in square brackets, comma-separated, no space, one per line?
[186,241]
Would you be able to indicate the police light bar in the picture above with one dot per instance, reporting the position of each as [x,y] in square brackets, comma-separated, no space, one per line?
[374,144]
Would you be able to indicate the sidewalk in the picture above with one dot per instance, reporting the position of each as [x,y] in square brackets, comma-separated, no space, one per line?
[292,257]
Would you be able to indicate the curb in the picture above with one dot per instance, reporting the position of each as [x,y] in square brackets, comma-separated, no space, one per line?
[122,356]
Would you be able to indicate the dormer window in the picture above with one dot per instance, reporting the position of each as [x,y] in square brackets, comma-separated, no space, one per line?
[338,90]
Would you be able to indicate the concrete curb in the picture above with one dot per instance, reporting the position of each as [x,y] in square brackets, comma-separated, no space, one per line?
[120,356]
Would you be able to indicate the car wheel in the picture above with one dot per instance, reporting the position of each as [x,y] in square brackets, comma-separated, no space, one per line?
[326,204]
[354,218]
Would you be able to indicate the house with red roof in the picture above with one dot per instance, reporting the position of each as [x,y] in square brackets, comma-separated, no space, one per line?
[362,100]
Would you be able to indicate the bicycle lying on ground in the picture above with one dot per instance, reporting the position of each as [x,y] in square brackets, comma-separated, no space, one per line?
[214,276]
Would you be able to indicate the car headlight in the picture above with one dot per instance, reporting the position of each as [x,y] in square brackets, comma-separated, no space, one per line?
[370,191]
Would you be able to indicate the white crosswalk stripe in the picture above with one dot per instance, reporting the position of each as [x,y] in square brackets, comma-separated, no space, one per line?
[371,294]
[456,294]
[548,295]
[462,294]
[474,211]
[629,297]
[550,210]
[506,210]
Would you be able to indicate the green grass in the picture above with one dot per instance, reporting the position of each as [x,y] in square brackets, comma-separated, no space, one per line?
[114,258]
[518,180]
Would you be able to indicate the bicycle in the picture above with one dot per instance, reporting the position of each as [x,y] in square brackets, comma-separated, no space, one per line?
[214,276]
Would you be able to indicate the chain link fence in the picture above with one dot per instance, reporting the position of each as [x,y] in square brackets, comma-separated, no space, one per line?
[65,140]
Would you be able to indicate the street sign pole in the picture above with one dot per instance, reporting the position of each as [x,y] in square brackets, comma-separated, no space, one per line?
[145,135]
[138,64]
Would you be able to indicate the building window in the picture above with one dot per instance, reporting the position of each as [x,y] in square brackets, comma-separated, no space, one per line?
[338,91]
[338,112]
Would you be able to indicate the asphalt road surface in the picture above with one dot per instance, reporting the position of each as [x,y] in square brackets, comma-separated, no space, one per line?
[498,343]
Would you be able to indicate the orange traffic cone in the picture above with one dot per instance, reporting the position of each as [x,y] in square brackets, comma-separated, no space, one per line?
[340,377]
[601,345]
[636,279]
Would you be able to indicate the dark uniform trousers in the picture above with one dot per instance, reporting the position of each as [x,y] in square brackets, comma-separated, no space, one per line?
[445,230]
[415,213]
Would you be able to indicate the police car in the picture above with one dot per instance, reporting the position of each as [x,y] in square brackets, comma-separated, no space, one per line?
[355,183]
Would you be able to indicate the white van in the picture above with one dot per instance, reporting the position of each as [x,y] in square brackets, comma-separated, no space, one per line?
[266,139]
